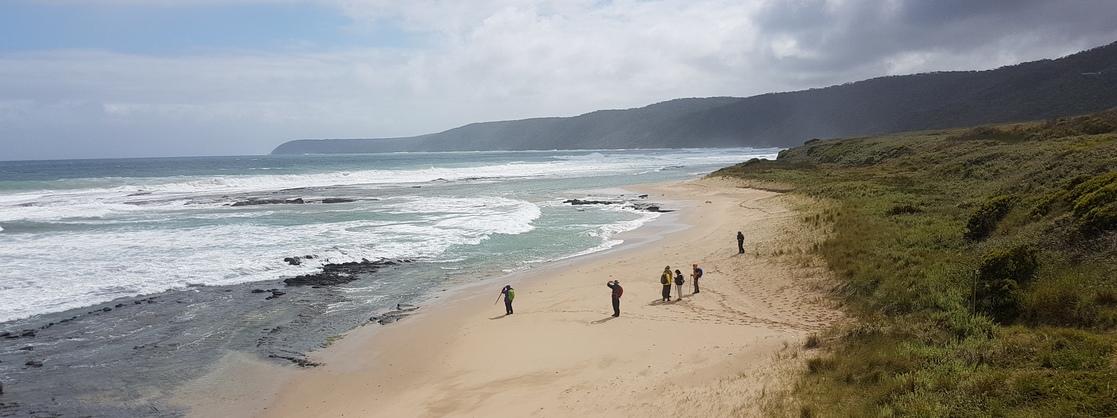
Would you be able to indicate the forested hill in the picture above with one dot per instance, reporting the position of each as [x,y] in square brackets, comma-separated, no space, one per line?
[1081,83]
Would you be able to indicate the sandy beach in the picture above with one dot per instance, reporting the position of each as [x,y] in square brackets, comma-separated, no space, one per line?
[726,351]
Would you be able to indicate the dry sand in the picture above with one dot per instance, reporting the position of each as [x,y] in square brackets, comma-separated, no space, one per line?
[727,351]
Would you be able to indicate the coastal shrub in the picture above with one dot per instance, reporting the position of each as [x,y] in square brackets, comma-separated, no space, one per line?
[813,341]
[984,221]
[903,210]
[992,133]
[1106,297]
[819,364]
[1094,203]
[999,281]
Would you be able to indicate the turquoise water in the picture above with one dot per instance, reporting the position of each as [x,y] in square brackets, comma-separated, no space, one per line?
[79,232]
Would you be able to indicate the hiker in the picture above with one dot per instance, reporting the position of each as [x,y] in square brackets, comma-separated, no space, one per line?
[695,275]
[740,243]
[617,292]
[665,280]
[509,294]
[679,284]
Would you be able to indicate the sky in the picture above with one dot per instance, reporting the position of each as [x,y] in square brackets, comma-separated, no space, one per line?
[138,78]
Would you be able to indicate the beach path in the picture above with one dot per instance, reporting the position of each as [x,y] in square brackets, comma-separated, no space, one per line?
[722,352]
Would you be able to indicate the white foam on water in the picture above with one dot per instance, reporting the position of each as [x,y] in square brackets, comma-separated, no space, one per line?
[177,193]
[607,232]
[53,272]
[65,268]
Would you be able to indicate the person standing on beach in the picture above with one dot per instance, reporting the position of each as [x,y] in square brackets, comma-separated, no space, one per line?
[679,280]
[509,294]
[740,243]
[665,280]
[695,275]
[617,292]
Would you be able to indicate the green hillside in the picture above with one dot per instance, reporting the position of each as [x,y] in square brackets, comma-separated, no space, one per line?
[1075,84]
[980,266]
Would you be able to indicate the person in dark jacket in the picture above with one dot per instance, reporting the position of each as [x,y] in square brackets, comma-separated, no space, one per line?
[665,280]
[509,294]
[695,275]
[740,243]
[617,292]
[679,280]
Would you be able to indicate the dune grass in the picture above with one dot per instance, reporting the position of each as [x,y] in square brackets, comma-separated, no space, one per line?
[980,265]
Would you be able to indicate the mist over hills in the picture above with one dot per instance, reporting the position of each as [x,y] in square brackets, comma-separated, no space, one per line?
[1080,83]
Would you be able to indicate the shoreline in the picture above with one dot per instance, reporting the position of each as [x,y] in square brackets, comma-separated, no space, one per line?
[93,358]
[432,365]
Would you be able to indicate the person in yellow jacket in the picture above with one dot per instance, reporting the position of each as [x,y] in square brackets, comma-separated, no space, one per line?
[665,279]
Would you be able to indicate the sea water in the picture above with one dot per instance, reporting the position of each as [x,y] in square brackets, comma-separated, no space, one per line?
[79,232]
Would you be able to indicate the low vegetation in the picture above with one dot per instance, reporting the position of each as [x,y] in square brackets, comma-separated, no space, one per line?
[980,265]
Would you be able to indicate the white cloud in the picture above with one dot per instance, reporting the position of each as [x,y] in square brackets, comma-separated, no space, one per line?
[480,60]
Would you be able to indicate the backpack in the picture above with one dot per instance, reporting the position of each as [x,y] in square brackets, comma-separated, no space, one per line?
[618,291]
[698,274]
[679,279]
[663,279]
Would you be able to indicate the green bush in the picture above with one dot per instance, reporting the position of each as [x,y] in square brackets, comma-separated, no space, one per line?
[984,221]
[1094,203]
[999,281]
[903,210]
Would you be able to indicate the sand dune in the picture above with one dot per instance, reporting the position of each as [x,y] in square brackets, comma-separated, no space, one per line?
[726,351]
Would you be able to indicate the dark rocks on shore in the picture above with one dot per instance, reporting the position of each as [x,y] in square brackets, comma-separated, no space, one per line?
[337,200]
[649,207]
[254,202]
[579,202]
[641,206]
[145,346]
[299,361]
[298,260]
[335,274]
[402,311]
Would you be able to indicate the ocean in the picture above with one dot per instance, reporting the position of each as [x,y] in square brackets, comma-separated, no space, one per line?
[76,233]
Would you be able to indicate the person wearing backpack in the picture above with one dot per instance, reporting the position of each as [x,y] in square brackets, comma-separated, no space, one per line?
[665,280]
[617,292]
[679,280]
[509,294]
[695,275]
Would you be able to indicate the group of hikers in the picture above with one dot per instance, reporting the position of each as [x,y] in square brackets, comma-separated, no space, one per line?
[666,279]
